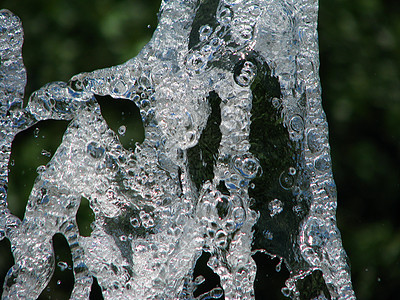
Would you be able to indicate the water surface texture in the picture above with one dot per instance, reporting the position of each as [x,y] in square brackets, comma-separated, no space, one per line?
[235,161]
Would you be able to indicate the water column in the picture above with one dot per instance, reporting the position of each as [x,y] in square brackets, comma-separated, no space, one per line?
[235,160]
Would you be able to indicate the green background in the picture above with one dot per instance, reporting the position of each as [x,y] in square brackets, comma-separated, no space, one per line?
[360,76]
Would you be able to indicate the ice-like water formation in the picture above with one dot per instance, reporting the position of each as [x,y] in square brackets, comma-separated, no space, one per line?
[235,159]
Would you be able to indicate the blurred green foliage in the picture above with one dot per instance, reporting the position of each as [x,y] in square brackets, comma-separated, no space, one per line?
[67,37]
[360,75]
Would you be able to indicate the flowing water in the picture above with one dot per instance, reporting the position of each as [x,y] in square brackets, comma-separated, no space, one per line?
[235,160]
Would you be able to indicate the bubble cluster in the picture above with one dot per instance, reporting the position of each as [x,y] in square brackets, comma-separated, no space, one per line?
[235,159]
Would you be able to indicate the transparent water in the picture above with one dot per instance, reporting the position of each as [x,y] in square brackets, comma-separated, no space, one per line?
[235,160]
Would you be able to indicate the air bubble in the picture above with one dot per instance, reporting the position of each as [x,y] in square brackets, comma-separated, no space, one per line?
[276,102]
[322,163]
[196,62]
[215,43]
[224,16]
[147,220]
[297,124]
[216,293]
[314,141]
[145,82]
[247,166]
[245,73]
[205,31]
[239,215]
[316,233]
[120,87]
[255,10]
[243,33]
[286,179]
[95,150]
[190,138]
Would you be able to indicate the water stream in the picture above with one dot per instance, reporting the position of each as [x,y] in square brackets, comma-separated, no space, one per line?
[235,160]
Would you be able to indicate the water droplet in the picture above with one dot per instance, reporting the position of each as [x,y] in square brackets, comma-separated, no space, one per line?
[279,265]
[190,138]
[215,43]
[36,132]
[46,153]
[275,207]
[292,171]
[298,210]
[41,169]
[220,238]
[199,280]
[268,235]
[286,292]
[122,130]
[286,179]
[62,265]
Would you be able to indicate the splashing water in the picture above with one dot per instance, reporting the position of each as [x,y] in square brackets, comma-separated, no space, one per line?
[235,159]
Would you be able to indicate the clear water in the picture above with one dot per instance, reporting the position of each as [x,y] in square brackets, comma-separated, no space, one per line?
[235,159]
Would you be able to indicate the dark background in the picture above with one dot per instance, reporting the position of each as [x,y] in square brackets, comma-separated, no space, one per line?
[360,76]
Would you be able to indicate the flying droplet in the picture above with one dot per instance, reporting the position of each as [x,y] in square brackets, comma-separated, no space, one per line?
[36,132]
[275,207]
[62,265]
[122,130]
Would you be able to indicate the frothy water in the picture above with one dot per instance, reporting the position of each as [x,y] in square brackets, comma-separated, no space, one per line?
[235,159]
